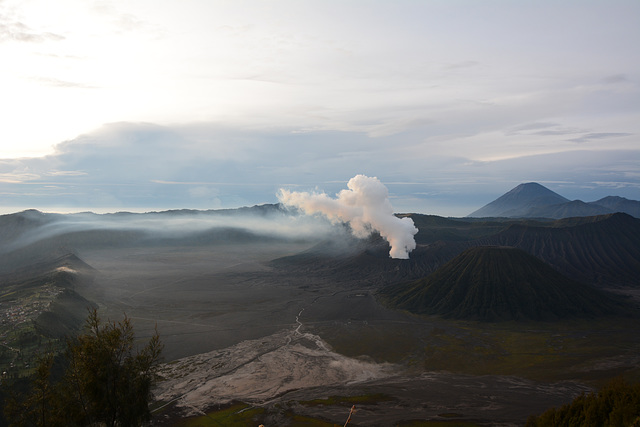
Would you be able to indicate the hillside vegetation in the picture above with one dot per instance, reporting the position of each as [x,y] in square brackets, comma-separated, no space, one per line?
[39,306]
[616,404]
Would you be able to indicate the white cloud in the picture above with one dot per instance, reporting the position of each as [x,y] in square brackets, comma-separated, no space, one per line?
[355,66]
[251,95]
[143,166]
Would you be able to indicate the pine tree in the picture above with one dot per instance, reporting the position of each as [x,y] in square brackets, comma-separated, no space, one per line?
[106,381]
[616,404]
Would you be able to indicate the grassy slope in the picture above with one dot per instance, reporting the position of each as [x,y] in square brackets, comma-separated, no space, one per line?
[39,310]
[580,349]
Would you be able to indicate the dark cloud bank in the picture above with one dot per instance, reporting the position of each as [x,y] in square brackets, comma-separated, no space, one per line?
[148,167]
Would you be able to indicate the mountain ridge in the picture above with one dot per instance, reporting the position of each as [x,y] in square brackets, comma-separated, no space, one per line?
[499,283]
[533,200]
[600,250]
[519,200]
[603,251]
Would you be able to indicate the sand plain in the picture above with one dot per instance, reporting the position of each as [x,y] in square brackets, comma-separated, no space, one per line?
[237,329]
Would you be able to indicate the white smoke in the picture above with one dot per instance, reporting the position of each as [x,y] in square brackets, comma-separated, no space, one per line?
[365,206]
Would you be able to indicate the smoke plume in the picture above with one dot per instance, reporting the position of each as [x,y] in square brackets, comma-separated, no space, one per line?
[365,206]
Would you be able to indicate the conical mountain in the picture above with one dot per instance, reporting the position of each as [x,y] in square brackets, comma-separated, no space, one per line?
[518,201]
[497,284]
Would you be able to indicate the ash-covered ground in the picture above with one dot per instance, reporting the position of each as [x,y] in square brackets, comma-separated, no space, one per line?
[289,367]
[236,329]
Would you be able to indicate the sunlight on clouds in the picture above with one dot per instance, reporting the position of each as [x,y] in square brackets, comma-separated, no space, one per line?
[66,173]
[270,65]
[17,178]
[129,96]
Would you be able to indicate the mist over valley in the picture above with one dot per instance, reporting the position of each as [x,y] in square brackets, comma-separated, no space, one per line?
[312,213]
[487,321]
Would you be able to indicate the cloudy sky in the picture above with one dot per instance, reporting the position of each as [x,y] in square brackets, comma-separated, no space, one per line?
[158,104]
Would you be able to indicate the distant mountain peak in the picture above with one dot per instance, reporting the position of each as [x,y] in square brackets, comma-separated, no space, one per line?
[519,200]
[532,200]
[530,187]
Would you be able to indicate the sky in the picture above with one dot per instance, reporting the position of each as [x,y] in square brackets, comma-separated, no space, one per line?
[146,105]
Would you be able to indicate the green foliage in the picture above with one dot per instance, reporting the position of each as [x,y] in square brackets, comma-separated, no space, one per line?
[370,399]
[302,421]
[235,415]
[616,404]
[106,381]
[421,423]
[34,409]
